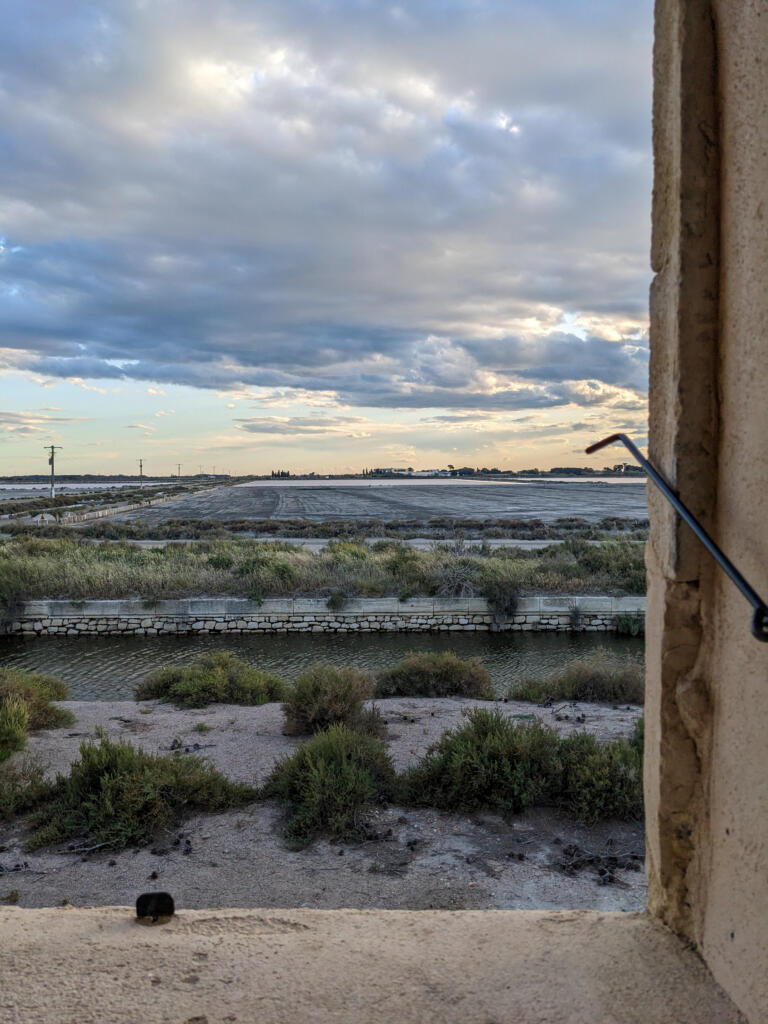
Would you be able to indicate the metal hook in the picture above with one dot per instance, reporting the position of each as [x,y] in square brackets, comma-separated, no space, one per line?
[760,617]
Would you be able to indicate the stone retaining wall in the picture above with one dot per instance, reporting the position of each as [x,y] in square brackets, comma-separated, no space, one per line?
[307,615]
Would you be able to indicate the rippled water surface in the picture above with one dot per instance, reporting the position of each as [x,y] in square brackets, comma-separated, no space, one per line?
[107,668]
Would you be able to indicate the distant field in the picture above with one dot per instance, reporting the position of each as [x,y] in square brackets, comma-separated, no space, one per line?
[408,500]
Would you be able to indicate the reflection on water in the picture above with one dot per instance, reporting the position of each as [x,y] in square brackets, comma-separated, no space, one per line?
[107,668]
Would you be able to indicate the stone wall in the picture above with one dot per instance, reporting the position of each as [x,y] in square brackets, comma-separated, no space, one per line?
[706,709]
[307,615]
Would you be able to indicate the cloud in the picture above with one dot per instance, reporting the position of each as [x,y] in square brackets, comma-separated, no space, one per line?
[29,424]
[305,426]
[344,204]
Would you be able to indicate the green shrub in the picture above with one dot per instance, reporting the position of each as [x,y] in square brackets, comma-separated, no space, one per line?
[117,796]
[638,736]
[599,678]
[501,593]
[336,600]
[325,695]
[215,678]
[14,724]
[495,762]
[435,674]
[37,691]
[490,761]
[630,624]
[601,780]
[21,785]
[329,782]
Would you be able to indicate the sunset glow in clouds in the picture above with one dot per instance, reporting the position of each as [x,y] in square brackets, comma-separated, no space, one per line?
[322,235]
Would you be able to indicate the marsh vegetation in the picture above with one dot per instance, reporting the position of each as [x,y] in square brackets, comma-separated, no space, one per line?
[41,568]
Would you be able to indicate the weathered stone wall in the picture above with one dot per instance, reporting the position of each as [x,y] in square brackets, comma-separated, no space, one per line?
[305,615]
[707,677]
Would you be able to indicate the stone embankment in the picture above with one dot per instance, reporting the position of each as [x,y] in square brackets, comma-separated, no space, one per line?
[139,617]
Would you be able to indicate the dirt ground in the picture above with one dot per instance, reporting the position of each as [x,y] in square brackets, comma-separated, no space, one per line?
[408,859]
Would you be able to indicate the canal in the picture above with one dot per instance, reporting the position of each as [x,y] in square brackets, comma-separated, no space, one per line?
[108,668]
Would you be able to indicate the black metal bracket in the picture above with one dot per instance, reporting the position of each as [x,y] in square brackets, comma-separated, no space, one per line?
[760,616]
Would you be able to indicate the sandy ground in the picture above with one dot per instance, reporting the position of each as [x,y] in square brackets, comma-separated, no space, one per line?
[409,859]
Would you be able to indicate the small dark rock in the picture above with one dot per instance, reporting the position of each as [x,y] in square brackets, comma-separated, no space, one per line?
[153,875]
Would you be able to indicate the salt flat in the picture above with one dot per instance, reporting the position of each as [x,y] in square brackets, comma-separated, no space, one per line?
[421,500]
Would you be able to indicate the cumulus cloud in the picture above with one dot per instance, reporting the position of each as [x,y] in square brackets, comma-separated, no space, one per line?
[375,206]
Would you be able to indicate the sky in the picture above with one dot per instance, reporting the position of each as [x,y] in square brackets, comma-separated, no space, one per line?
[322,235]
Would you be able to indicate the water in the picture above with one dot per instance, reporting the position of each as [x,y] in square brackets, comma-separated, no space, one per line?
[108,668]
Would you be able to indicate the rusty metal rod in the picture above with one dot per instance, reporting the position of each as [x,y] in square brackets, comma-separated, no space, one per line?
[760,616]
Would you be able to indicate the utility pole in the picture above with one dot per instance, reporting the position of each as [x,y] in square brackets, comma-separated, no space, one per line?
[178,471]
[53,448]
[141,473]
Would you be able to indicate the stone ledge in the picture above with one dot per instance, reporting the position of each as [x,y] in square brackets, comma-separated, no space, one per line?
[345,966]
[238,615]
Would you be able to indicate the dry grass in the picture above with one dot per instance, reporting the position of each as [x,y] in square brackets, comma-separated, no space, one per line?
[40,568]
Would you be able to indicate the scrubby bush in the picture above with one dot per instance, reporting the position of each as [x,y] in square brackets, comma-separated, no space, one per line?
[25,705]
[490,761]
[329,782]
[629,624]
[215,678]
[600,677]
[117,796]
[455,576]
[40,566]
[325,695]
[498,763]
[336,600]
[14,723]
[37,691]
[638,736]
[600,780]
[501,589]
[21,785]
[435,674]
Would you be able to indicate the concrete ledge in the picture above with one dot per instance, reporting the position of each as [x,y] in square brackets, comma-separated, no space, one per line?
[67,966]
[134,616]
[559,604]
